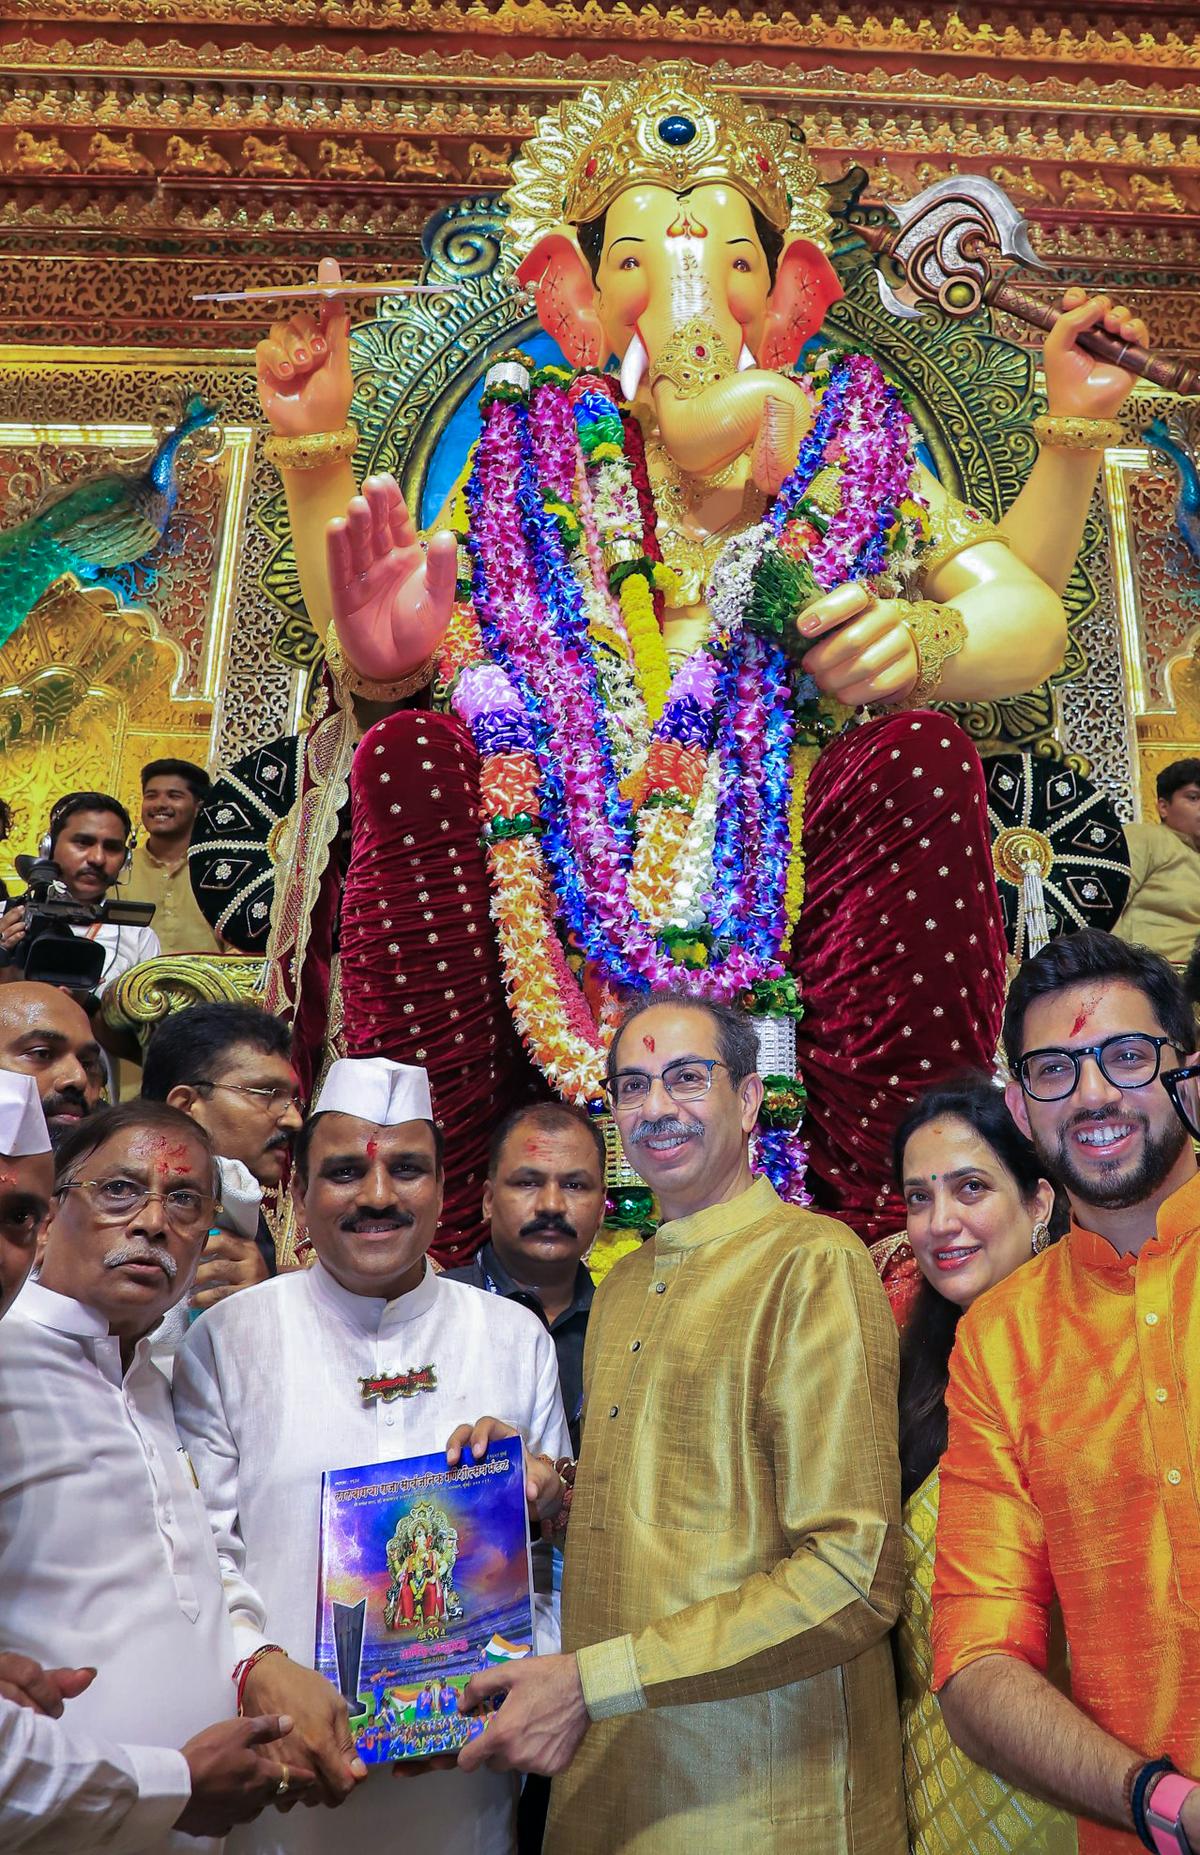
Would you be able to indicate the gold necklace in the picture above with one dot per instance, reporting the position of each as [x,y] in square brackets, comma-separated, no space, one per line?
[693,556]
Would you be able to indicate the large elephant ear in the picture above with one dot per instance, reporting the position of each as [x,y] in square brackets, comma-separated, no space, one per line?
[806,284]
[565,293]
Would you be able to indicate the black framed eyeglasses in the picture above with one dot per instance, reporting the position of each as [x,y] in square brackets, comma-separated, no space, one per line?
[1130,1060]
[686,1079]
[1183,1086]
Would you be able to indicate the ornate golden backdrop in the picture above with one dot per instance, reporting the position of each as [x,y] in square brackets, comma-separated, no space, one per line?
[148,151]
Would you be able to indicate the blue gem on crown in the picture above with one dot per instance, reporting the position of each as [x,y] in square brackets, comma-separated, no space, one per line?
[677,131]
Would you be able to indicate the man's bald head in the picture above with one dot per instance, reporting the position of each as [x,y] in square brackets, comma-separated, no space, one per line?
[44,1033]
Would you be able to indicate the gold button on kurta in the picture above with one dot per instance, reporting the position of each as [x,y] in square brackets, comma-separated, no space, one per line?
[734,1558]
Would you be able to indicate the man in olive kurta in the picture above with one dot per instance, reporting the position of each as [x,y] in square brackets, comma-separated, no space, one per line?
[733,1559]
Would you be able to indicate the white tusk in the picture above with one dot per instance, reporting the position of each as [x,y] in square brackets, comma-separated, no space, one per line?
[633,367]
[745,359]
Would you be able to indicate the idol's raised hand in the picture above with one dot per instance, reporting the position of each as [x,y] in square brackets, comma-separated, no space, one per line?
[304,381]
[391,598]
[1077,384]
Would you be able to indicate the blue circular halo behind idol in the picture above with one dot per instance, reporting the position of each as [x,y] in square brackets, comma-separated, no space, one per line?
[677,131]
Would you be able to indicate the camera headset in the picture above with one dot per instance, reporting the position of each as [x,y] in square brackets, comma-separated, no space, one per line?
[64,808]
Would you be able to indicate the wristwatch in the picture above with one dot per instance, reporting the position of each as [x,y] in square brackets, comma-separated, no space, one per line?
[1163,1811]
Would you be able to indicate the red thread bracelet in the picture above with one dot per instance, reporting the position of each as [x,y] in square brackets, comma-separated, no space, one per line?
[241,1673]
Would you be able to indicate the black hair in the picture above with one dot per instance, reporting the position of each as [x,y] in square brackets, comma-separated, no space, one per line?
[64,809]
[591,240]
[735,1034]
[1089,956]
[1180,773]
[928,1337]
[189,1045]
[548,1116]
[304,1140]
[94,1130]
[193,776]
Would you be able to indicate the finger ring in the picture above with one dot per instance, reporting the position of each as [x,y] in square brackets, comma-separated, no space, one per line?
[284,1784]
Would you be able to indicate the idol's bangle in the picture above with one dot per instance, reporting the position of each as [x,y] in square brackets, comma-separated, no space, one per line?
[312,450]
[1063,432]
[939,633]
[244,1669]
[369,688]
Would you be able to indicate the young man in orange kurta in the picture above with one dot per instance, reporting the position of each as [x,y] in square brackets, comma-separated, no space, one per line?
[1074,1401]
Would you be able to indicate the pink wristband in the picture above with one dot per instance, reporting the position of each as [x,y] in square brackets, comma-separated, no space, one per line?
[1163,1810]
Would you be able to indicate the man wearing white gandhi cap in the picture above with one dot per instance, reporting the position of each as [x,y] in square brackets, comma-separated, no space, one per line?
[277,1384]
[26,1179]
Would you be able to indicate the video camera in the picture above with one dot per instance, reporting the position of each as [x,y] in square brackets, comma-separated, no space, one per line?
[49,950]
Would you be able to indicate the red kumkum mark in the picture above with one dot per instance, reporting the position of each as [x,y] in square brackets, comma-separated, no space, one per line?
[648,1044]
[372,1148]
[1083,1014]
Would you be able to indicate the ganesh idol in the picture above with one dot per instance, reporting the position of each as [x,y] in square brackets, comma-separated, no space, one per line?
[652,704]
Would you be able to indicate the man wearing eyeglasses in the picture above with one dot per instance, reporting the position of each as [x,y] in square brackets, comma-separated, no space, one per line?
[1074,1401]
[109,1583]
[229,1068]
[733,1554]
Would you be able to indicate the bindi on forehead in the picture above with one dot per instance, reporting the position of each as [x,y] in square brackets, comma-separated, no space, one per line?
[648,1044]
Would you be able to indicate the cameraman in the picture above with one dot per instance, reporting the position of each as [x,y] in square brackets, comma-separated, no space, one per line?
[90,838]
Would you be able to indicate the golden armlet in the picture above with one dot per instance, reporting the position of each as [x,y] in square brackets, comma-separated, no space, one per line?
[371,690]
[1061,433]
[313,450]
[939,633]
[953,528]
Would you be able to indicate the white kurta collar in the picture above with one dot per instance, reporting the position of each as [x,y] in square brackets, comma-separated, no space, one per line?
[61,1314]
[371,1314]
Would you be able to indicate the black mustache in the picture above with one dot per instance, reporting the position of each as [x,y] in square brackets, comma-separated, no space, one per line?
[63,1099]
[548,1223]
[377,1220]
[277,1141]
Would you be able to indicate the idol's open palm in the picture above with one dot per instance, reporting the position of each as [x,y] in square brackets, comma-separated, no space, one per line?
[391,598]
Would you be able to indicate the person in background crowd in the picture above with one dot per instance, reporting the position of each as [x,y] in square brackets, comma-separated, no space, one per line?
[1074,1432]
[96,1500]
[734,1560]
[978,1205]
[45,1034]
[173,792]
[90,837]
[275,1386]
[1162,909]
[229,1067]
[544,1202]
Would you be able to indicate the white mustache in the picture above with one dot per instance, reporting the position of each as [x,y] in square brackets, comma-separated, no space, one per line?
[142,1252]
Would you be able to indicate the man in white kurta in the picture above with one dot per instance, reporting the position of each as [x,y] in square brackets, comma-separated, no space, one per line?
[106,1556]
[268,1395]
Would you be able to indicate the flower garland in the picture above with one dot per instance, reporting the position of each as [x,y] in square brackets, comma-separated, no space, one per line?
[641,825]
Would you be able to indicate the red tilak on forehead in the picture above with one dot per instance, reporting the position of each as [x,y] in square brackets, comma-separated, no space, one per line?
[372,1148]
[648,1044]
[1083,1014]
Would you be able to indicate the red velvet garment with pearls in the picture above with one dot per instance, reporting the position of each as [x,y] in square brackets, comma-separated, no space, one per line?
[899,953]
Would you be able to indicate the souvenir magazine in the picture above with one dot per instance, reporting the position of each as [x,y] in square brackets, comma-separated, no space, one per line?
[423,1579]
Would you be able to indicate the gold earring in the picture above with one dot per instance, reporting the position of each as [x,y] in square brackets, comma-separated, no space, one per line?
[1040,1239]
